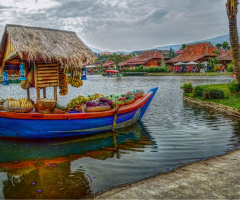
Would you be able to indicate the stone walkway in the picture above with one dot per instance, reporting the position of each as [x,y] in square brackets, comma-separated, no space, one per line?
[216,178]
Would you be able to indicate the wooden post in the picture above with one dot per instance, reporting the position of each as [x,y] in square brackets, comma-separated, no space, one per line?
[44,93]
[28,94]
[38,93]
[115,118]
[55,93]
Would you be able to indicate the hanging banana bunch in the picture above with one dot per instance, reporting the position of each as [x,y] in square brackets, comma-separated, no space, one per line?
[75,78]
[63,83]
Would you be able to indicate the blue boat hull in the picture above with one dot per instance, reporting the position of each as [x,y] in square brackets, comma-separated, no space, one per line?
[32,128]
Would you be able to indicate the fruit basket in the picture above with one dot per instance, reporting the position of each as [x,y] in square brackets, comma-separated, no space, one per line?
[20,109]
[139,94]
[98,109]
[45,106]
[129,101]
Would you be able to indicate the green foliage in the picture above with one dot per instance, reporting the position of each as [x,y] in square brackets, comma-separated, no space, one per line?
[213,61]
[183,46]
[171,53]
[230,67]
[233,86]
[218,45]
[225,45]
[142,68]
[118,57]
[187,87]
[213,94]
[198,91]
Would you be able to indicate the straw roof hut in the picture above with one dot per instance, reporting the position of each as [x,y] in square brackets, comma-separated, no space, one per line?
[35,44]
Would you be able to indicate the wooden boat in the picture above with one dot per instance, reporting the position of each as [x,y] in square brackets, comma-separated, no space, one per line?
[113,73]
[38,125]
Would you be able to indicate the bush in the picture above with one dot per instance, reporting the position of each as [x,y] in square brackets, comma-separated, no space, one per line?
[198,91]
[230,67]
[233,86]
[213,94]
[187,87]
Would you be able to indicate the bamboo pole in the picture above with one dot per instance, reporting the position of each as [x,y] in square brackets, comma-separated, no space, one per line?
[47,81]
[28,94]
[47,78]
[55,93]
[44,93]
[47,71]
[38,93]
[47,85]
[35,75]
[115,118]
[47,65]
[47,68]
[47,75]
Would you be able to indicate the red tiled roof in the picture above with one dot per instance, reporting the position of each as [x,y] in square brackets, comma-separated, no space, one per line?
[228,56]
[108,63]
[222,52]
[179,52]
[125,63]
[143,58]
[194,52]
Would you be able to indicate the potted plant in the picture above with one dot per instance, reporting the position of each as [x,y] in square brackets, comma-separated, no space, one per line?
[187,87]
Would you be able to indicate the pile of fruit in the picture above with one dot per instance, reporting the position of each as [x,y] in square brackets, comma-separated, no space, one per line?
[78,101]
[81,103]
[63,83]
[23,103]
[75,78]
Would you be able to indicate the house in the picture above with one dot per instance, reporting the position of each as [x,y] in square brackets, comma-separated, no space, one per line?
[147,58]
[179,52]
[195,52]
[225,59]
[47,51]
[108,64]
[165,52]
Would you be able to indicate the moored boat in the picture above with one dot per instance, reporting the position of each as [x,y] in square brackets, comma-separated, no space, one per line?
[39,125]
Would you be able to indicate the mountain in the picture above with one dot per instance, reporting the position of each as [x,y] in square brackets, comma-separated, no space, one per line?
[176,47]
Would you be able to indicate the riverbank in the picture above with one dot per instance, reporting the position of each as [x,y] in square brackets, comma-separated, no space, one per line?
[191,74]
[215,178]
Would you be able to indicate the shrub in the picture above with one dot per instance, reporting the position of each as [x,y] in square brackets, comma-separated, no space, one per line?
[233,86]
[187,87]
[230,67]
[213,94]
[198,91]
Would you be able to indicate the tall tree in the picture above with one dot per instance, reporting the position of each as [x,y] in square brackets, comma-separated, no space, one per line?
[225,45]
[183,46]
[171,53]
[118,57]
[218,45]
[232,10]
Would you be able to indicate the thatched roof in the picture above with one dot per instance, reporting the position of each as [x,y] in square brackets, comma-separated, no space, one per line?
[48,45]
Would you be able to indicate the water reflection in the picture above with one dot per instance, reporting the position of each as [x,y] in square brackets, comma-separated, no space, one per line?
[54,168]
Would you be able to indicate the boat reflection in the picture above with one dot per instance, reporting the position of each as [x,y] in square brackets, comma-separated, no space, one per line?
[32,169]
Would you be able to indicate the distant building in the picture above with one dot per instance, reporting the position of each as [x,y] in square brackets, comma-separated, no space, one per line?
[179,52]
[106,53]
[108,64]
[165,52]
[227,57]
[147,58]
[195,52]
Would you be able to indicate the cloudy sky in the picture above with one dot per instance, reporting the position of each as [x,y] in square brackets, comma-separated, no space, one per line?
[122,24]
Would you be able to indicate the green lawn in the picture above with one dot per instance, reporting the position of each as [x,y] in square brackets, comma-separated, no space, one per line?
[190,74]
[232,100]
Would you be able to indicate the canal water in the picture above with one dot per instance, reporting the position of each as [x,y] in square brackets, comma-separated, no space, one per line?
[170,135]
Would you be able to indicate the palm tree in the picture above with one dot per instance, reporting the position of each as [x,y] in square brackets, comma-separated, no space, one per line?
[218,45]
[232,10]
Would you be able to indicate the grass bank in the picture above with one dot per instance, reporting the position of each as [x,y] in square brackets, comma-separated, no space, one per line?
[230,99]
[190,74]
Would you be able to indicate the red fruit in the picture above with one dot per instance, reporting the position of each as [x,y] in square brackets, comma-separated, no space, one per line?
[78,106]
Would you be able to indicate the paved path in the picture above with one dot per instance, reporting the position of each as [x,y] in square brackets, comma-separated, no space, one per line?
[216,178]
